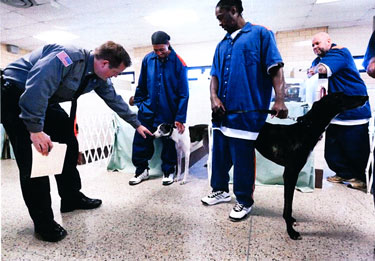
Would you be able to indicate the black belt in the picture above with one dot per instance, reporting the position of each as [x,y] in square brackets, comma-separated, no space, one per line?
[219,115]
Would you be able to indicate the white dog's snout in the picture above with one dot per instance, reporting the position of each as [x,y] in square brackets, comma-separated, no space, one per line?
[157,134]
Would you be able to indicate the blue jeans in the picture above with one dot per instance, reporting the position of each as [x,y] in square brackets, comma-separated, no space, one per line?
[240,154]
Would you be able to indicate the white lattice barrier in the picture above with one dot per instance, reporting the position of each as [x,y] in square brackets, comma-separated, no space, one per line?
[96,137]
[370,163]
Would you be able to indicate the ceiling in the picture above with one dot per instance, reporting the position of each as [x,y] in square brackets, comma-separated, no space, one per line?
[124,21]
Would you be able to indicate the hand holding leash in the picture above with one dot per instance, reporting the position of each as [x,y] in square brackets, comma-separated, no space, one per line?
[280,109]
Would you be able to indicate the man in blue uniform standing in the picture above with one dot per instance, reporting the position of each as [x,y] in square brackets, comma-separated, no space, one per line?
[246,65]
[347,143]
[31,91]
[161,97]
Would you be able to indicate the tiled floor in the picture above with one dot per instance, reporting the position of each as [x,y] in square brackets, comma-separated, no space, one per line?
[153,222]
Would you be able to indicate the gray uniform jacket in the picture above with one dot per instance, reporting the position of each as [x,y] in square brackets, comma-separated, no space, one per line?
[53,74]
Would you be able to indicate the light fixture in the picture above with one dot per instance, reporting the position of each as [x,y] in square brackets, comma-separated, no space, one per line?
[56,36]
[173,17]
[325,1]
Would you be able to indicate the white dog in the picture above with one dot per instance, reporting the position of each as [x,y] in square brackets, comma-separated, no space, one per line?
[182,142]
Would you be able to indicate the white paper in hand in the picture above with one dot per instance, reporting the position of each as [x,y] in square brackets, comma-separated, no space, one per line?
[48,165]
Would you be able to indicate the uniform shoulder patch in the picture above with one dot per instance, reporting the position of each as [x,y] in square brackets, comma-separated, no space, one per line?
[64,58]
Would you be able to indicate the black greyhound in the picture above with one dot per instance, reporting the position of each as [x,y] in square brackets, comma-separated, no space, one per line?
[290,145]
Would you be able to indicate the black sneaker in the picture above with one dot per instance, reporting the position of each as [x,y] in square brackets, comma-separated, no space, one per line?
[51,232]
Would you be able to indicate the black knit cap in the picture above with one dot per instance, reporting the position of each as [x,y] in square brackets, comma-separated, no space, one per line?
[160,37]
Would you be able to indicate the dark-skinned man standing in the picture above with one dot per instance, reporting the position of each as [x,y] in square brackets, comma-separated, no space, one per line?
[161,96]
[246,65]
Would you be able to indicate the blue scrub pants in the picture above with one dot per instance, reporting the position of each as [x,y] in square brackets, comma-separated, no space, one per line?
[240,154]
[143,149]
[347,150]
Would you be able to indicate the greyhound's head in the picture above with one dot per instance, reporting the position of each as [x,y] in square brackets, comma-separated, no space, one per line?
[332,104]
[164,130]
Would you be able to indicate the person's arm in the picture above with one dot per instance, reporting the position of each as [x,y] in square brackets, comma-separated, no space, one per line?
[274,65]
[142,130]
[216,104]
[312,71]
[321,69]
[183,96]
[369,59]
[371,67]
[118,105]
[42,82]
[278,81]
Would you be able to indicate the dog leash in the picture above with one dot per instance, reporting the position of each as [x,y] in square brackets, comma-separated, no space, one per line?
[272,112]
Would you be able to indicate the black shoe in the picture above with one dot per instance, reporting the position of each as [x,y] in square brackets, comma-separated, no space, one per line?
[82,202]
[51,232]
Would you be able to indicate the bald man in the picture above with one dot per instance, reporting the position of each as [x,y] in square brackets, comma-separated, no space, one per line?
[347,143]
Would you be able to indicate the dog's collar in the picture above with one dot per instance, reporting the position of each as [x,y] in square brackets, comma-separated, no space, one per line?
[171,131]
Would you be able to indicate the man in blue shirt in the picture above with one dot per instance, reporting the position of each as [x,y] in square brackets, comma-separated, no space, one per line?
[246,65]
[161,97]
[347,143]
[31,91]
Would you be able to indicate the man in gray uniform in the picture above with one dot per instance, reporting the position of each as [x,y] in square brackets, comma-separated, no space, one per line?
[31,91]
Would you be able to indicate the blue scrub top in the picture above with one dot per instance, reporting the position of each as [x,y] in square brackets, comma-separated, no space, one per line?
[162,93]
[242,67]
[370,51]
[345,78]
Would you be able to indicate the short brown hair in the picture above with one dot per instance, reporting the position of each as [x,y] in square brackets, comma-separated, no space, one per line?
[114,53]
